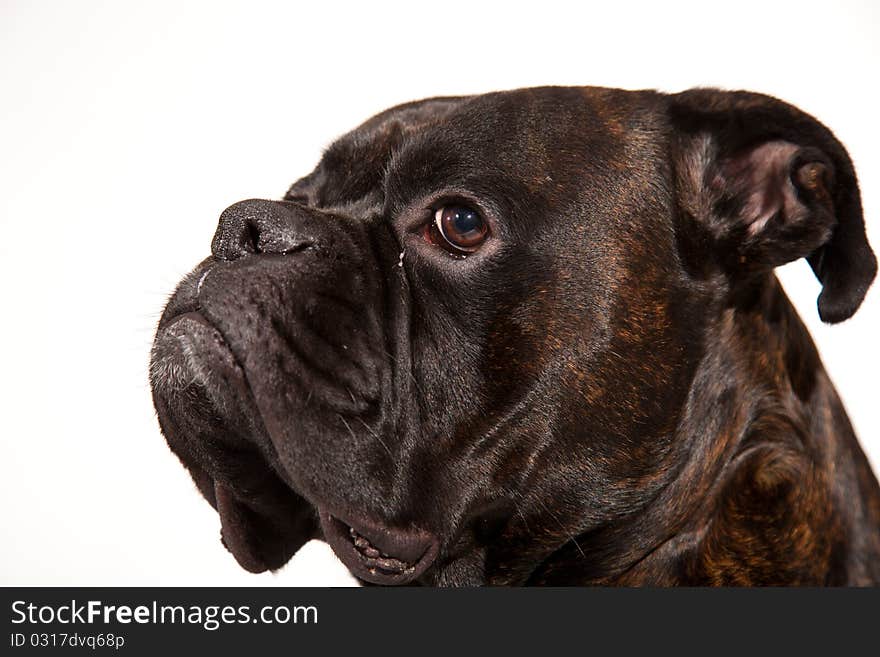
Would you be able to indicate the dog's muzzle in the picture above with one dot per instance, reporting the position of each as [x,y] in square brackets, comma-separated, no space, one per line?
[277,346]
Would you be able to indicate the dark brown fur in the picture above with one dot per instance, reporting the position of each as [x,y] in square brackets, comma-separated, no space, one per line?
[614,391]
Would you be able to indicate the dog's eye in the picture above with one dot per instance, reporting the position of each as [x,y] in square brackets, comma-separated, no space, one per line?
[462,230]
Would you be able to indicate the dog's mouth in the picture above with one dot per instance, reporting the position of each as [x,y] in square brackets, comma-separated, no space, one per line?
[380,554]
[193,360]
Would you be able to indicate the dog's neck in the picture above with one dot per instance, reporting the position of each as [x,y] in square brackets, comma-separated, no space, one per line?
[751,487]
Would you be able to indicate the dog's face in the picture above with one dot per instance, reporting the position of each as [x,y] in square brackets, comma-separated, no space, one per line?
[469,335]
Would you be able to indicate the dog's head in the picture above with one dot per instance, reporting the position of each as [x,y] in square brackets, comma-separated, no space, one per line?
[468,336]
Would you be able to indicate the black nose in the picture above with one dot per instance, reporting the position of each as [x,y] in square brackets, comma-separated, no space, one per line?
[259,226]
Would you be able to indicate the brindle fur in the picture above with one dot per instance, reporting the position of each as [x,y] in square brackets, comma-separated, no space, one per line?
[619,392]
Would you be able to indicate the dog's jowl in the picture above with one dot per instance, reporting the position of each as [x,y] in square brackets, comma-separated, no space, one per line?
[535,337]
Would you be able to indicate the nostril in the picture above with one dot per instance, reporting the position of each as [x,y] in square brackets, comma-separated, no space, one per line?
[238,232]
[253,236]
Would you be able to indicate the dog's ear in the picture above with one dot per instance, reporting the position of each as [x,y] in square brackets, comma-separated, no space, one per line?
[765,183]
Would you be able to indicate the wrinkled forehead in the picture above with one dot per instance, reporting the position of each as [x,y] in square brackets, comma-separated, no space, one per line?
[556,135]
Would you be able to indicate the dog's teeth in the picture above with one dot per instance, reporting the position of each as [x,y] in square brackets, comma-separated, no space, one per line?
[364,546]
[391,564]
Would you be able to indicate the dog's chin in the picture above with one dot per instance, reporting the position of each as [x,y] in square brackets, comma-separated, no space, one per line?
[378,553]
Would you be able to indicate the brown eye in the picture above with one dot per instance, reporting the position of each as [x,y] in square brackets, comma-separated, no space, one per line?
[461,227]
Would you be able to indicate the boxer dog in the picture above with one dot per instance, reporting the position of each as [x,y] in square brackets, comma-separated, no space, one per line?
[535,337]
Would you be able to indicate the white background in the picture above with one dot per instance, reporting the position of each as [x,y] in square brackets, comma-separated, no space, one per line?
[128,127]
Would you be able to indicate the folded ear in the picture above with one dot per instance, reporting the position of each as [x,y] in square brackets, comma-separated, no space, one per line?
[765,184]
